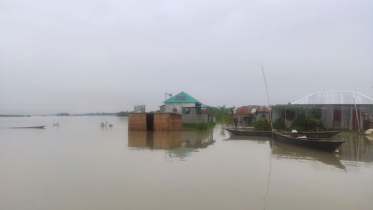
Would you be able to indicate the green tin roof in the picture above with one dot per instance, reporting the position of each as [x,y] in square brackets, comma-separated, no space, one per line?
[182,98]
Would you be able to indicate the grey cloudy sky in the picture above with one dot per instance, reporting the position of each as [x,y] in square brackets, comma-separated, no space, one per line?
[106,56]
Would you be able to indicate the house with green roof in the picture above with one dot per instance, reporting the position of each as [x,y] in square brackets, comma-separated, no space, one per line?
[192,110]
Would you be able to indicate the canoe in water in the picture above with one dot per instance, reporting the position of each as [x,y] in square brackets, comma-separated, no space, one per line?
[313,143]
[34,127]
[320,134]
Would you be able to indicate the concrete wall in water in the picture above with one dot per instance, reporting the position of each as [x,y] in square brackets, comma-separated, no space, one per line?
[167,122]
[154,121]
[137,121]
[195,118]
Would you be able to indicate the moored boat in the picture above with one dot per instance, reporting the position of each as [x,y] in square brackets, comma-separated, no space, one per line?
[319,134]
[303,141]
[34,127]
[240,132]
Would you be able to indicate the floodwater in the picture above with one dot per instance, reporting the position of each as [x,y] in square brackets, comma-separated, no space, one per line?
[79,165]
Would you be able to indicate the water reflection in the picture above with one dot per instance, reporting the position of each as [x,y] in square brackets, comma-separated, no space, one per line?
[286,151]
[176,143]
[155,139]
[258,139]
[356,148]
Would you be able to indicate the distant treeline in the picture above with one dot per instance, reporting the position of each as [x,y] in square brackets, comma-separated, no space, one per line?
[122,114]
[96,114]
[2,115]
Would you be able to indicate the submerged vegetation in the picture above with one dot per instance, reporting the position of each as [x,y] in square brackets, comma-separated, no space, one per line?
[198,126]
[262,124]
[300,118]
[222,114]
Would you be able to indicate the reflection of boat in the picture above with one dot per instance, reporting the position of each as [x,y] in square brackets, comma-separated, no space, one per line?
[287,151]
[320,144]
[35,127]
[321,134]
[240,132]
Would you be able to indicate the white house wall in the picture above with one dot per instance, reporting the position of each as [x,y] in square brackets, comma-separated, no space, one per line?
[169,107]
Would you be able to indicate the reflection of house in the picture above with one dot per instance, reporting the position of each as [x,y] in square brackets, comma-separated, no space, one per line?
[178,144]
[246,114]
[201,139]
[155,139]
[338,108]
[193,111]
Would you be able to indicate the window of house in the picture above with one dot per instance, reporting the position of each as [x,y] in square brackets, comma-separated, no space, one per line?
[337,114]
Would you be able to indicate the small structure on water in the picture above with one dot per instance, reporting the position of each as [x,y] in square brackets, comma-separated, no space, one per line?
[154,121]
[338,109]
[192,110]
[247,114]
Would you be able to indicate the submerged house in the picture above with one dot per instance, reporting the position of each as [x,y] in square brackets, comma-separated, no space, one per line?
[247,114]
[192,110]
[338,109]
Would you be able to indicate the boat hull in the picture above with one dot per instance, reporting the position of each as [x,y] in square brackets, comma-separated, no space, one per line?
[249,133]
[319,144]
[35,127]
[324,134]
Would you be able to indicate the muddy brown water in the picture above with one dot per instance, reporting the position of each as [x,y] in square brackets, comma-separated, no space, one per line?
[79,165]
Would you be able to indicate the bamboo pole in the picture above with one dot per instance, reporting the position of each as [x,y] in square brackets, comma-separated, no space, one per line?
[285,119]
[327,120]
[357,118]
[269,108]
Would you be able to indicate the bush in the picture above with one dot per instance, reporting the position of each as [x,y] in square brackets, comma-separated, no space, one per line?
[298,125]
[199,126]
[261,124]
[279,124]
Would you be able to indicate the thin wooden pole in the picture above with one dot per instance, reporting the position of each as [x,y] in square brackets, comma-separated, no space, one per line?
[270,115]
[285,119]
[327,120]
[357,118]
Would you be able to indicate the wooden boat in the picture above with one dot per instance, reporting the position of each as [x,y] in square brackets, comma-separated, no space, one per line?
[320,134]
[303,141]
[240,132]
[35,127]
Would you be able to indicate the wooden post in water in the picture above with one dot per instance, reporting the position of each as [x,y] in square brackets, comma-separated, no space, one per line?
[285,119]
[357,118]
[269,108]
[327,120]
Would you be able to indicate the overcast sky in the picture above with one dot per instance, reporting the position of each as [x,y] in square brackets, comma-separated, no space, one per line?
[106,56]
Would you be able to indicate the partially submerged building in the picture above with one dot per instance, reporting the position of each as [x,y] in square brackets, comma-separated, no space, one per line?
[338,109]
[192,110]
[247,114]
[154,121]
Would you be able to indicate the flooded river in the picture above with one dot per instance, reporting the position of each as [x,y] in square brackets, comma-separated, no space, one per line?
[80,165]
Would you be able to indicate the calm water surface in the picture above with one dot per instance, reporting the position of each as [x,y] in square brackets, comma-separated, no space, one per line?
[79,165]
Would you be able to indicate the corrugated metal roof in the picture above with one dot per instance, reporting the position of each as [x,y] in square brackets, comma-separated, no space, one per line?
[249,109]
[337,97]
